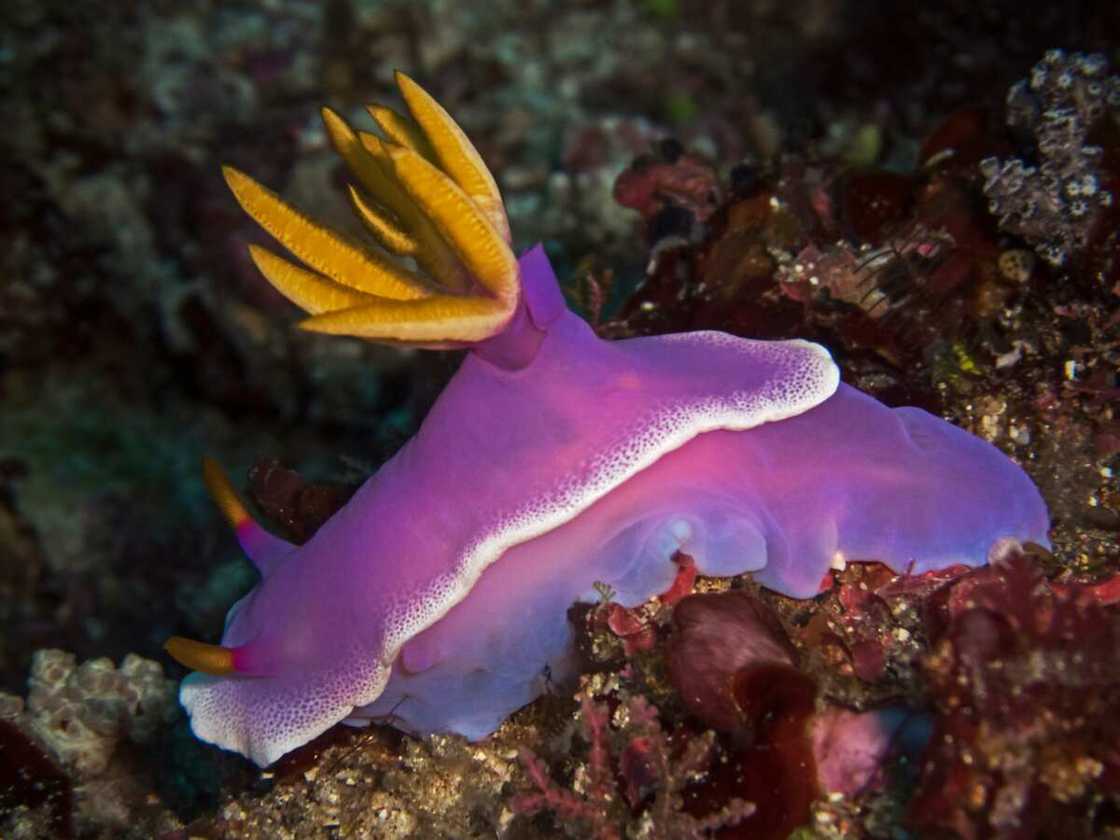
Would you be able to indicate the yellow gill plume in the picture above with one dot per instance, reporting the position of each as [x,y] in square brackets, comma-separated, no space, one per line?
[424,195]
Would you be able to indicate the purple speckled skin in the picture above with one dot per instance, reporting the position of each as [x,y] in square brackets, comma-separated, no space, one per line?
[437,598]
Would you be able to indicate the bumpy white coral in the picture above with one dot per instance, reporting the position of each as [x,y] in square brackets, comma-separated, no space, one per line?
[80,713]
[1054,200]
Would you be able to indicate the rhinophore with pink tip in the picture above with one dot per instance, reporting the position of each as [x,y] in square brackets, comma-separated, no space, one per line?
[436,599]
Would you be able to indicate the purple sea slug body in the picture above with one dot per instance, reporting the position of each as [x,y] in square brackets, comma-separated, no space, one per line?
[436,599]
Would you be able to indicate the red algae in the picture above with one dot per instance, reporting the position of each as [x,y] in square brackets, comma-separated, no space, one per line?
[716,636]
[775,768]
[636,633]
[876,201]
[671,180]
[297,506]
[633,768]
[684,581]
[733,665]
[1025,679]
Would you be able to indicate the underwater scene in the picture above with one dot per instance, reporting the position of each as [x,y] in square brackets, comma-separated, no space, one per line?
[608,419]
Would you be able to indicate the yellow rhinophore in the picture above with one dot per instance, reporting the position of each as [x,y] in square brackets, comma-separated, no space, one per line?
[199,656]
[426,197]
[223,494]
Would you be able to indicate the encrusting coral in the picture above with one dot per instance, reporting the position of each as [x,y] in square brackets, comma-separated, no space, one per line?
[80,713]
[1055,203]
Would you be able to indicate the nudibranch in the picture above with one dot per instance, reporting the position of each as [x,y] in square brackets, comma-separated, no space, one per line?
[436,599]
